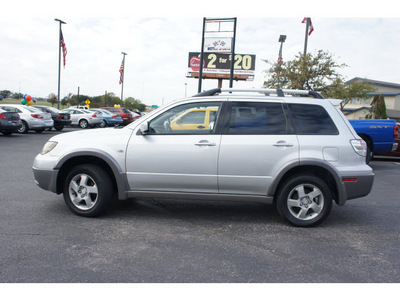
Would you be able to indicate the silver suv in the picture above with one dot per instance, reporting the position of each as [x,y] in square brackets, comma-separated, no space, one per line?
[274,146]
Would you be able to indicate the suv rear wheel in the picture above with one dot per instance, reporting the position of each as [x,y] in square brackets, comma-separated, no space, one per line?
[304,200]
[88,190]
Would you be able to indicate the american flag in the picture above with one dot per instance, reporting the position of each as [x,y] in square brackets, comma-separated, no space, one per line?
[310,26]
[64,48]
[121,71]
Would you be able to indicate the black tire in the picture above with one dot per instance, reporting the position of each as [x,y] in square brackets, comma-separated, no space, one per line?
[59,127]
[83,124]
[103,124]
[304,200]
[88,190]
[370,154]
[24,128]
[7,133]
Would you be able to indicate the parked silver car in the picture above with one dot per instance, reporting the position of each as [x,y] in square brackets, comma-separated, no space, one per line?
[32,118]
[297,152]
[84,118]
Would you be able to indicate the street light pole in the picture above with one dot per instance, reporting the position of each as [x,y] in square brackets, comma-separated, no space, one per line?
[282,39]
[59,61]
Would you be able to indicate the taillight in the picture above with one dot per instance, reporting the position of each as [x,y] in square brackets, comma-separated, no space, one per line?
[59,117]
[37,116]
[2,116]
[395,131]
[94,116]
[359,146]
[114,116]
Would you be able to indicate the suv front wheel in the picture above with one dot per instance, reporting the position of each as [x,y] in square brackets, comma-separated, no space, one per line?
[88,190]
[304,200]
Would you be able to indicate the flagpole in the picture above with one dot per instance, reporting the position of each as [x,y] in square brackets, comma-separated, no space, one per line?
[123,75]
[306,38]
[59,62]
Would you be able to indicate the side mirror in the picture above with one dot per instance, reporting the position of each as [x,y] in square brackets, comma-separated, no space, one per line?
[143,129]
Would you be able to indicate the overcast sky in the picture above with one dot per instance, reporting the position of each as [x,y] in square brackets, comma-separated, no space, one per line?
[158,35]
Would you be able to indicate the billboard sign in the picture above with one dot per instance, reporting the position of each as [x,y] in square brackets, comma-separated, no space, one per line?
[220,63]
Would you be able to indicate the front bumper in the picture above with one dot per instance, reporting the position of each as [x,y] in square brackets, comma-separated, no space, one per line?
[44,173]
[46,179]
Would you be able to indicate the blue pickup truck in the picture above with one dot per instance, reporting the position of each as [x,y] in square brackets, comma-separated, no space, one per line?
[378,134]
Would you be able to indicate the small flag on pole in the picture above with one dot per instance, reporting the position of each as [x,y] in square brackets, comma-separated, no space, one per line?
[310,25]
[121,71]
[64,48]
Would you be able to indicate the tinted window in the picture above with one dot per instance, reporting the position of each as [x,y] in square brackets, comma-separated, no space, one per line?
[312,119]
[258,118]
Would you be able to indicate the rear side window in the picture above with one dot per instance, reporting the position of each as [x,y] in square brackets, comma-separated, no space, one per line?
[309,119]
[258,118]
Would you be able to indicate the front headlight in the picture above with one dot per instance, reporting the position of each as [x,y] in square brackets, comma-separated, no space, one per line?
[48,147]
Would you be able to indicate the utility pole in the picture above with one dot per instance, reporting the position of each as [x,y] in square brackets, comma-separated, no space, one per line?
[59,61]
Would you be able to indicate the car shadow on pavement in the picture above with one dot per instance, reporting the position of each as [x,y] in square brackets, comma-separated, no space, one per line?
[196,210]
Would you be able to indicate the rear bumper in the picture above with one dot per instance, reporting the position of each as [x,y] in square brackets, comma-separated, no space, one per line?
[62,122]
[40,124]
[357,187]
[10,126]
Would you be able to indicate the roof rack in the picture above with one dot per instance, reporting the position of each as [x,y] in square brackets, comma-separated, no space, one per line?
[267,92]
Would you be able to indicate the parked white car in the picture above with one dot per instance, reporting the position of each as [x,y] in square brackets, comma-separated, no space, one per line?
[80,107]
[84,118]
[32,118]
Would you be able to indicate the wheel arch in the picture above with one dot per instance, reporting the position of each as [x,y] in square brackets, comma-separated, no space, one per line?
[90,157]
[316,168]
[83,118]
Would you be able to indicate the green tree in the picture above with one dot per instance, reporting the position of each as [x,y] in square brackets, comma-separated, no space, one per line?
[318,72]
[347,91]
[378,108]
[52,98]
[66,99]
[17,95]
[5,93]
[311,71]
[133,104]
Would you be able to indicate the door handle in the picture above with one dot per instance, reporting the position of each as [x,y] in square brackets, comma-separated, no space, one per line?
[205,143]
[282,144]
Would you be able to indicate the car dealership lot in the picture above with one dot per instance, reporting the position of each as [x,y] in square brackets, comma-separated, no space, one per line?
[197,241]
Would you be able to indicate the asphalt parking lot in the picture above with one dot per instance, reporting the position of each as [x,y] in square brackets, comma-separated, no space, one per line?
[148,240]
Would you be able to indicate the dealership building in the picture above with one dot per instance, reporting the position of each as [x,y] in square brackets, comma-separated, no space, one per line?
[359,108]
